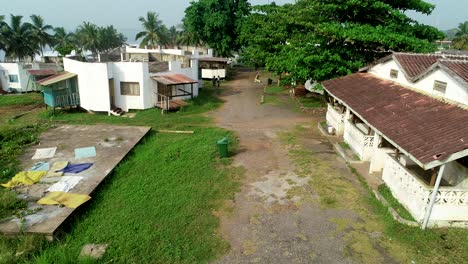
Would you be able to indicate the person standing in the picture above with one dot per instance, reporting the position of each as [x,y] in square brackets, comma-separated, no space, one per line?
[213,80]
[218,80]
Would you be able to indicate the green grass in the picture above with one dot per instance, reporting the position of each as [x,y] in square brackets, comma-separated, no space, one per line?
[344,145]
[310,102]
[272,100]
[444,245]
[158,204]
[393,202]
[21,99]
[275,89]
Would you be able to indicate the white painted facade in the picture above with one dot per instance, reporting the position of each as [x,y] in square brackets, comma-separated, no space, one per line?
[15,69]
[95,81]
[456,91]
[451,204]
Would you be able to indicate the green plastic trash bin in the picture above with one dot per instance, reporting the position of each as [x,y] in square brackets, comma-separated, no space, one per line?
[223,147]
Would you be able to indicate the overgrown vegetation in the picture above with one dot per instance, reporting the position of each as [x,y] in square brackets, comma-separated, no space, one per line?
[336,190]
[20,99]
[275,89]
[393,202]
[159,202]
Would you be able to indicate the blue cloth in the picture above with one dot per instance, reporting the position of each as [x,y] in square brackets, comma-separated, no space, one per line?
[40,166]
[88,152]
[76,168]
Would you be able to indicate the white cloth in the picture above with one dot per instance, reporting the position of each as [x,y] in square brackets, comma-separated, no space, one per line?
[44,153]
[65,184]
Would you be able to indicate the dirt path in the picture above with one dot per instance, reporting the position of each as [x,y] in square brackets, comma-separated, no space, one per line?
[279,216]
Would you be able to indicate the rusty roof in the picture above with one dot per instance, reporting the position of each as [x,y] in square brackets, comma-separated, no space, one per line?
[43,72]
[426,128]
[415,65]
[173,79]
[459,68]
[61,76]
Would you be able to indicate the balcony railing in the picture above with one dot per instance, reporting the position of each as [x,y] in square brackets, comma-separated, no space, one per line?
[335,119]
[451,203]
[67,100]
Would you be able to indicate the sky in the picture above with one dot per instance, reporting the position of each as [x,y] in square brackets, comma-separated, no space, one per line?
[124,14]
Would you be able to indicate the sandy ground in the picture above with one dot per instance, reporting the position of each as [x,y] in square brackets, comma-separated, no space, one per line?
[269,223]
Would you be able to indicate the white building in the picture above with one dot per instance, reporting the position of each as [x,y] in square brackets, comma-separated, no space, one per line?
[408,117]
[124,85]
[21,77]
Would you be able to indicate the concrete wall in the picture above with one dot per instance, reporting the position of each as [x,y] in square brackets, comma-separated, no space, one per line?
[132,72]
[455,91]
[93,84]
[23,83]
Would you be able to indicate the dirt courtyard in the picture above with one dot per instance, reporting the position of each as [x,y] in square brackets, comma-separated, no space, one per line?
[280,216]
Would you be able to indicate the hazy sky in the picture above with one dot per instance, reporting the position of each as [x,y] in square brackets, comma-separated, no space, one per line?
[124,14]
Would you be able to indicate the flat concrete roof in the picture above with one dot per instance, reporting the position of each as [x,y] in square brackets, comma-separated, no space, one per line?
[112,144]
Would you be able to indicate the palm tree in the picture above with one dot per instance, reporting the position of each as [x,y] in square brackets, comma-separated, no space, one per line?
[173,37]
[17,36]
[2,39]
[87,36]
[110,38]
[461,37]
[153,33]
[40,31]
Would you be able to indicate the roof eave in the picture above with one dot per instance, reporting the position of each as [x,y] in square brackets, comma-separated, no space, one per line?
[425,166]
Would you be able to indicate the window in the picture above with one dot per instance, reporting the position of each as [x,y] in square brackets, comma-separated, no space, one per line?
[13,78]
[394,73]
[439,88]
[130,88]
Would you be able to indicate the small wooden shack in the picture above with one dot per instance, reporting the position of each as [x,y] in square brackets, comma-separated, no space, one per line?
[60,90]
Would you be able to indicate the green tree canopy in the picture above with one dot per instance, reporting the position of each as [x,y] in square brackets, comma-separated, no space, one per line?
[16,37]
[216,23]
[40,32]
[154,31]
[461,37]
[323,39]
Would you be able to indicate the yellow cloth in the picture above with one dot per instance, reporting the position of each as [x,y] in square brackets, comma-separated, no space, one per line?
[70,200]
[25,178]
[58,165]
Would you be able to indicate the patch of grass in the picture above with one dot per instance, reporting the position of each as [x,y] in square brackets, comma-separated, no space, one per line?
[437,245]
[393,202]
[273,100]
[344,145]
[310,102]
[21,99]
[158,204]
[275,89]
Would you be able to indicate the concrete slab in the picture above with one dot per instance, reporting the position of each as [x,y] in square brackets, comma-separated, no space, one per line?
[112,144]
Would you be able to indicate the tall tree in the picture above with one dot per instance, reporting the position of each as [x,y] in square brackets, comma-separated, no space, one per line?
[63,41]
[40,31]
[87,35]
[461,37]
[110,38]
[217,23]
[16,37]
[153,31]
[173,37]
[323,39]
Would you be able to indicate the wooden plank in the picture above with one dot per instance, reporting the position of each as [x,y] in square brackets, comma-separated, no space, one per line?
[176,131]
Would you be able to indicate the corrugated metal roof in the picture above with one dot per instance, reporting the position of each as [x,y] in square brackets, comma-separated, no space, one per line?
[43,72]
[56,78]
[426,128]
[174,79]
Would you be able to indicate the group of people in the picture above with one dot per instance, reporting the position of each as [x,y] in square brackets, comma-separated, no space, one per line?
[216,81]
